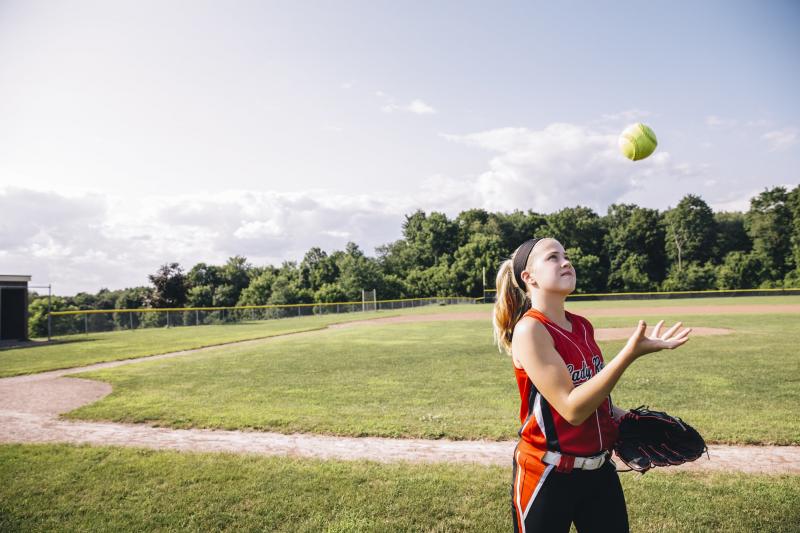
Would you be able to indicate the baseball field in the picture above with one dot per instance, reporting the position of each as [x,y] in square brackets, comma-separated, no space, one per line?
[96,447]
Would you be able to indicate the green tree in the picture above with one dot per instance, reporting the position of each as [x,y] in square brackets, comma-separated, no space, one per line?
[692,277]
[731,235]
[286,290]
[631,275]
[690,231]
[590,275]
[235,276]
[516,227]
[358,272]
[317,268]
[769,225]
[793,201]
[430,237]
[635,246]
[169,283]
[481,252]
[200,296]
[739,270]
[204,274]
[580,228]
[62,325]
[131,298]
[260,289]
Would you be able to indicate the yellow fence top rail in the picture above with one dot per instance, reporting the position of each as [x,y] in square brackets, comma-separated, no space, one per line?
[242,307]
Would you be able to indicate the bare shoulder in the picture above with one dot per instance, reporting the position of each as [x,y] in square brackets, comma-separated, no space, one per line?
[531,330]
[531,339]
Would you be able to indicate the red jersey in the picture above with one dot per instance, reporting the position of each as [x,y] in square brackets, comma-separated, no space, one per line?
[542,426]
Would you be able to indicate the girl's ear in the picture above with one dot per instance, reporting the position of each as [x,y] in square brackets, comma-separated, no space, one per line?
[527,277]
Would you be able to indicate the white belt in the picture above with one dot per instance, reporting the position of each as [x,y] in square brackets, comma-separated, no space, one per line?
[584,463]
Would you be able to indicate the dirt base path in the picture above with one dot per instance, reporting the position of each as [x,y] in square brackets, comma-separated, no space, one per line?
[30,407]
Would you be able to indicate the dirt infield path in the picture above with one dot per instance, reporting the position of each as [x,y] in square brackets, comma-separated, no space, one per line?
[30,407]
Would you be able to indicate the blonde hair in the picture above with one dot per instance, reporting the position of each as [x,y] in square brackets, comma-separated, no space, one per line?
[511,302]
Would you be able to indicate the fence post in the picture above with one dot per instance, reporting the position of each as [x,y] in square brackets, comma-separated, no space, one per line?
[49,317]
[167,318]
[86,323]
[130,320]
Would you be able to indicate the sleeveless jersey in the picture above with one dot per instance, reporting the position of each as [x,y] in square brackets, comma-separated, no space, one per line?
[543,428]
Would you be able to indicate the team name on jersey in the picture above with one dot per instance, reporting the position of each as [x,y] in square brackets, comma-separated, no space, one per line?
[585,372]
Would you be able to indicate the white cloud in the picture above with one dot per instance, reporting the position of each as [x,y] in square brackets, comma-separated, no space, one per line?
[714,121]
[347,85]
[629,115]
[759,123]
[417,107]
[89,241]
[780,139]
[566,164]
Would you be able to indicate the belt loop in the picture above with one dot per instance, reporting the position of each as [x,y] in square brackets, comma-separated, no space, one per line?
[565,464]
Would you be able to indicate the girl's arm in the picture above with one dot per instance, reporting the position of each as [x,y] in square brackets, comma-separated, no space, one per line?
[533,347]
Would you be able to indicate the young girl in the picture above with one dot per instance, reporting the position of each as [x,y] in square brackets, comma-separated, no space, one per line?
[562,471]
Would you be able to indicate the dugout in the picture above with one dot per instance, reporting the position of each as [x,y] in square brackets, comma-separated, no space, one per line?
[14,307]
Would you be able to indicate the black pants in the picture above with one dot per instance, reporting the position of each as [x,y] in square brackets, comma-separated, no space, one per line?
[592,499]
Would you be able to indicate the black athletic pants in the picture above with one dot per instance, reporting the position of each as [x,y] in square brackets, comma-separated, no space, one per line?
[592,499]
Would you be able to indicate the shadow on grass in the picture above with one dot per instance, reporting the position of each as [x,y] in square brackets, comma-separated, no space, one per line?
[30,344]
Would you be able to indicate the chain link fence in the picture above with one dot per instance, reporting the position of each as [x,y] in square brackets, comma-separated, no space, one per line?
[99,320]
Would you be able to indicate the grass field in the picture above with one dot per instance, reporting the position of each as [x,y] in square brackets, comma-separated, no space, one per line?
[79,350]
[445,379]
[435,379]
[67,488]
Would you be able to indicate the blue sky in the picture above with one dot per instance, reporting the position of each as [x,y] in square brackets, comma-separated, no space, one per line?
[136,133]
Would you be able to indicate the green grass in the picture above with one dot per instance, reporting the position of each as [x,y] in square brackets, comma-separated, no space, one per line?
[79,350]
[70,488]
[680,302]
[445,379]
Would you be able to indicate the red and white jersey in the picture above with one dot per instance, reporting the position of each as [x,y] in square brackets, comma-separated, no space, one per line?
[542,426]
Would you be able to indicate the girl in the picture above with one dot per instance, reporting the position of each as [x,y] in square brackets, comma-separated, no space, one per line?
[562,471]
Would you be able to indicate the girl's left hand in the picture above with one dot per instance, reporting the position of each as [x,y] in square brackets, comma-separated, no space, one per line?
[640,344]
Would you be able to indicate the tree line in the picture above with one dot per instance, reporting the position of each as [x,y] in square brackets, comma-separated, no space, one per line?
[630,248]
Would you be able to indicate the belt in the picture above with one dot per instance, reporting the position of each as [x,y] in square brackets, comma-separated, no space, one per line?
[566,463]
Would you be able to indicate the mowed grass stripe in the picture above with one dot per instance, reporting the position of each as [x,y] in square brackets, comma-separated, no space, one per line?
[446,379]
[68,488]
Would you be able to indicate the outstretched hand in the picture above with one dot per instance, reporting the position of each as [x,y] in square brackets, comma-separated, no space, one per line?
[640,344]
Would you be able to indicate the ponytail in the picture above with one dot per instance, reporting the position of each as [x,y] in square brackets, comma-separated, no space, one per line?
[511,302]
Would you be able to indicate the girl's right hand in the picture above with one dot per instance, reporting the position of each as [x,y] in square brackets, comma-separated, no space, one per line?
[639,344]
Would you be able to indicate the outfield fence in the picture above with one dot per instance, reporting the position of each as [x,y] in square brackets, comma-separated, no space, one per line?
[98,320]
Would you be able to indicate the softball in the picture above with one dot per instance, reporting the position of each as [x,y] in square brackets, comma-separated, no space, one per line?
[637,141]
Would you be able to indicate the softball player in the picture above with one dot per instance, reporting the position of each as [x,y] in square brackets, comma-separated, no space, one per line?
[562,471]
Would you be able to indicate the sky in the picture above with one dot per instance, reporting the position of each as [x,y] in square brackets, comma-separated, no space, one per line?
[136,133]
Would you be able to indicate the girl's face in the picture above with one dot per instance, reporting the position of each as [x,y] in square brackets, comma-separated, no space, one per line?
[551,268]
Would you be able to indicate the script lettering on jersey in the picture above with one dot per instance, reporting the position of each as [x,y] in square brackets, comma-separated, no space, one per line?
[584,372]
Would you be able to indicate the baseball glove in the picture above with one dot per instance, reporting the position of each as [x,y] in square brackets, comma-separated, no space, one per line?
[654,438]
